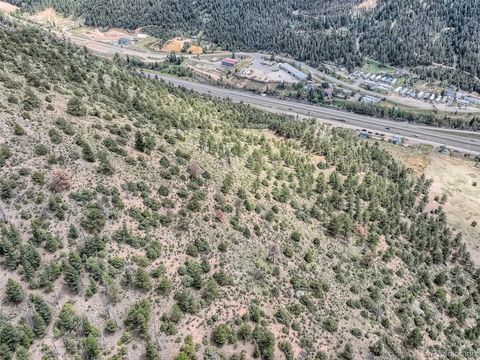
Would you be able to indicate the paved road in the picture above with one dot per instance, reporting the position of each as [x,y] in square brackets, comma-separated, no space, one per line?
[108,50]
[320,76]
[464,141]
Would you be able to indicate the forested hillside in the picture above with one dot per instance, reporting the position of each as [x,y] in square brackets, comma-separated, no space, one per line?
[403,33]
[137,219]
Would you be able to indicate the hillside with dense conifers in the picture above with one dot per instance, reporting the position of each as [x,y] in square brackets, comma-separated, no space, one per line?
[141,220]
[413,33]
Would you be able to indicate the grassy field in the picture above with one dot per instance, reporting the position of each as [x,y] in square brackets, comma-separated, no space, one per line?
[374,67]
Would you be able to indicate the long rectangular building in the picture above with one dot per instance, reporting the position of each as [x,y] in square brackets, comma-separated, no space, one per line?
[293,71]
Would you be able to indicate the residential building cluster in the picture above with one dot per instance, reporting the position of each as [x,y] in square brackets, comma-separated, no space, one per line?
[448,96]
[383,78]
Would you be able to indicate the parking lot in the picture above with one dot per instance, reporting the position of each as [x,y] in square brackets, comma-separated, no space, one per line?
[264,70]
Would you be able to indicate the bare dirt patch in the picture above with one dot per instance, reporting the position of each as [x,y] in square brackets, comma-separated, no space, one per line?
[176,45]
[195,50]
[7,8]
[50,18]
[367,4]
[110,35]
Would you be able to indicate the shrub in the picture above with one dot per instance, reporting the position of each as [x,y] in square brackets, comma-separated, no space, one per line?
[287,349]
[142,280]
[138,317]
[60,181]
[139,142]
[186,302]
[57,207]
[264,343]
[110,326]
[18,130]
[288,251]
[38,178]
[93,220]
[244,332]
[255,313]
[5,154]
[164,286]
[210,291]
[66,127]
[40,150]
[415,338]
[330,325]
[75,107]
[151,351]
[55,136]
[296,236]
[377,348]
[221,334]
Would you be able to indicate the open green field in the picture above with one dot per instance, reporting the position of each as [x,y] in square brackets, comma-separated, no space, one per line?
[374,67]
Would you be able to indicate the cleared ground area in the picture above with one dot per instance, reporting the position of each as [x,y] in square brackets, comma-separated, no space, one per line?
[7,8]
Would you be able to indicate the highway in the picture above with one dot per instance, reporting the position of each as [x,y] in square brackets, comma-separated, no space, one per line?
[463,141]
[320,76]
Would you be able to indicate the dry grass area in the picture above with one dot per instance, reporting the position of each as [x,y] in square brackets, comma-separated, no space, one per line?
[7,8]
[457,178]
[454,177]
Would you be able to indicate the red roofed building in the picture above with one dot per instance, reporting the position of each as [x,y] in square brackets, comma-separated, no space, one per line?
[229,62]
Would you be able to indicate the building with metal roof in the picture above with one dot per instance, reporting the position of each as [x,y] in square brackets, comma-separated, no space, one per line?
[297,74]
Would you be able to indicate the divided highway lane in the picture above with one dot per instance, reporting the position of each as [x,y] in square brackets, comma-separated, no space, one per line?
[457,140]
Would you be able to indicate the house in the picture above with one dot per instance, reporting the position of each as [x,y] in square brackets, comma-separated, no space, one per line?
[450,92]
[228,62]
[124,42]
[371,100]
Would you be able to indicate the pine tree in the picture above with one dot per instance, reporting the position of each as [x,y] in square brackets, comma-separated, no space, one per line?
[14,292]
